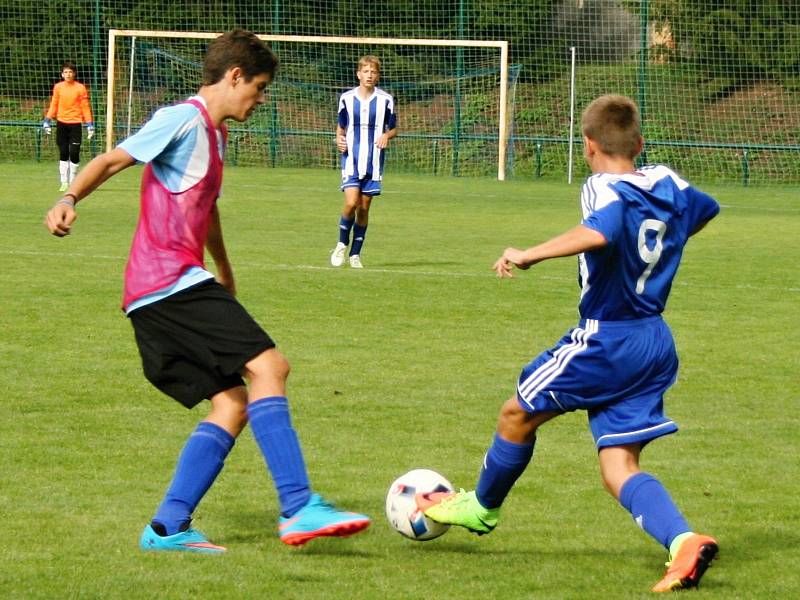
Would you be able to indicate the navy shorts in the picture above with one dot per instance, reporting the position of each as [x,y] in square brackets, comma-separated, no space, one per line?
[367,185]
[194,344]
[618,371]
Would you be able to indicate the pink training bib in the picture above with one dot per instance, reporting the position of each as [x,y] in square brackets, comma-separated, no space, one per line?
[171,233]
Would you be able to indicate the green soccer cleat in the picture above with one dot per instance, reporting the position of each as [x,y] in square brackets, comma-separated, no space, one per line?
[459,508]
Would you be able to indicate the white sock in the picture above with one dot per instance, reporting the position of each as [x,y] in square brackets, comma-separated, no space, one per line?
[63,170]
[73,170]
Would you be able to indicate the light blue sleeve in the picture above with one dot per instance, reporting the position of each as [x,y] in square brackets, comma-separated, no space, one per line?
[167,125]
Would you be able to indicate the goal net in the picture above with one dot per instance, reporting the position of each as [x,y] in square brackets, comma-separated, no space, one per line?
[718,83]
[451,97]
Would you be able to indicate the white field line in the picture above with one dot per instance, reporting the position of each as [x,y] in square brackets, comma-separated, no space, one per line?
[277,266]
[366,271]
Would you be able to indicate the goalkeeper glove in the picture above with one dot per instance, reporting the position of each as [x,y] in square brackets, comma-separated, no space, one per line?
[46,126]
[90,130]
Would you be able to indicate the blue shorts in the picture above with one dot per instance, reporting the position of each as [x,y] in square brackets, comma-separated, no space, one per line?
[618,371]
[367,185]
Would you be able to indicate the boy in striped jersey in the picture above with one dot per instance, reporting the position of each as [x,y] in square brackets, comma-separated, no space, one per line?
[367,121]
[620,359]
[195,339]
[69,106]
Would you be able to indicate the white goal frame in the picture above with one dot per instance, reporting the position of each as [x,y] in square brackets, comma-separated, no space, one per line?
[502,129]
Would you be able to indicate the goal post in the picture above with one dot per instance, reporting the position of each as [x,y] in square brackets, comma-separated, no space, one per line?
[452,95]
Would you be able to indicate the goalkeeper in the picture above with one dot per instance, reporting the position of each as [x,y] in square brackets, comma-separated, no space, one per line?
[70,107]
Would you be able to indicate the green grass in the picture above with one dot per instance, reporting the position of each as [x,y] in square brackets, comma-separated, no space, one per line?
[399,366]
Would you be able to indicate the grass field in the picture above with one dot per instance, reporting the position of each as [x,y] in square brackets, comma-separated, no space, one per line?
[401,365]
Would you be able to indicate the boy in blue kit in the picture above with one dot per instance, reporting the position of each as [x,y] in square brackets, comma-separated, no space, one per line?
[620,359]
[367,121]
[195,340]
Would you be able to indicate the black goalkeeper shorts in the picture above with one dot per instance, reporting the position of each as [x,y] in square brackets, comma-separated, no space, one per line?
[194,344]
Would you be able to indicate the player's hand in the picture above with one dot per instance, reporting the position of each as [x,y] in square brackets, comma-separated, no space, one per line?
[341,143]
[59,219]
[382,141]
[90,131]
[46,126]
[512,257]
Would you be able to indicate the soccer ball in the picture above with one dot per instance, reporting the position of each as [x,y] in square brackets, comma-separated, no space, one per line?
[401,505]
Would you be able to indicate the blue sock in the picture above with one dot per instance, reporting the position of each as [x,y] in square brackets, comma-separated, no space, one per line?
[359,233]
[345,225]
[200,462]
[503,464]
[272,428]
[652,508]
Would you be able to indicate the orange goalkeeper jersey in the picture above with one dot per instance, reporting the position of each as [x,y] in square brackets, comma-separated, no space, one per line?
[70,103]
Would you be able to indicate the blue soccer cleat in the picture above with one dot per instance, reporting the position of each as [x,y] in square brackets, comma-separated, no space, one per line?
[319,518]
[190,540]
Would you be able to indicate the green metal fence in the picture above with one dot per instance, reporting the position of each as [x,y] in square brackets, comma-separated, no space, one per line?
[717,82]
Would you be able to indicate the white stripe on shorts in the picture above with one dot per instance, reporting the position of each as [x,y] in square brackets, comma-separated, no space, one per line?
[542,376]
[635,434]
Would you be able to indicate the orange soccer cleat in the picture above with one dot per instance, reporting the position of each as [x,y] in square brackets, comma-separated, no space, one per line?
[687,567]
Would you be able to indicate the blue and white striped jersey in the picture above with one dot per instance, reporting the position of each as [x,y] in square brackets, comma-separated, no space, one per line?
[646,218]
[363,121]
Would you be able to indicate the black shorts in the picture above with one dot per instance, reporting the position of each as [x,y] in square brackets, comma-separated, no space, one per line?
[195,343]
[68,133]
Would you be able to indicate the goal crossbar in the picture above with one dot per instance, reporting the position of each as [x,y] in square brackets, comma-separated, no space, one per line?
[502,46]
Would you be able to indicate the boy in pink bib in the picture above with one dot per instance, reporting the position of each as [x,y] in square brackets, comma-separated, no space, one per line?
[195,340]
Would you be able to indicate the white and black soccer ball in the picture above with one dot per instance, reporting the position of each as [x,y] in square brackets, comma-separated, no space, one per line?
[402,509]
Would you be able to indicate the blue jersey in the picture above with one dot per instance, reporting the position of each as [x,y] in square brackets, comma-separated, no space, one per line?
[364,121]
[646,217]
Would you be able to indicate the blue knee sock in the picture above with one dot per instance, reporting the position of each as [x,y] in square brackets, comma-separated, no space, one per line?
[345,225]
[359,233]
[504,463]
[652,508]
[272,428]
[200,462]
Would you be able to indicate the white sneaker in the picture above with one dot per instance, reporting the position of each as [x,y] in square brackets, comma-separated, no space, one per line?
[355,262]
[337,256]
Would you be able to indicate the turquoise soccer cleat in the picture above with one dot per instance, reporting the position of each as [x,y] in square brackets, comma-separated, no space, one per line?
[319,518]
[190,540]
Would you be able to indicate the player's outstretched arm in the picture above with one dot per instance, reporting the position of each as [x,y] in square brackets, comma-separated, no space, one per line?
[59,219]
[216,247]
[574,241]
